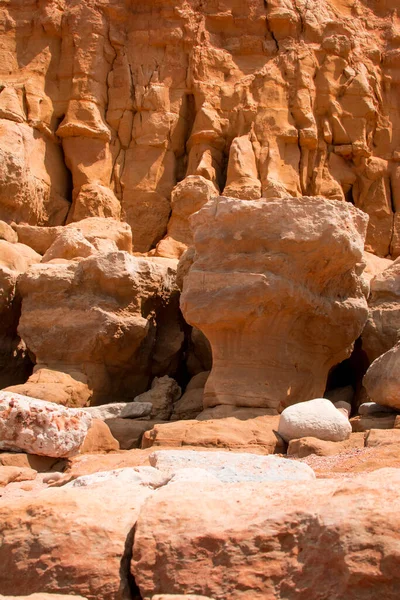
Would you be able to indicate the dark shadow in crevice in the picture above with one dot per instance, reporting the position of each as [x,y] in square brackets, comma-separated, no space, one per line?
[350,372]
[128,583]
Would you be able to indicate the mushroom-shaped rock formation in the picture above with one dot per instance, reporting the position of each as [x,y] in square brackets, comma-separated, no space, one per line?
[276,288]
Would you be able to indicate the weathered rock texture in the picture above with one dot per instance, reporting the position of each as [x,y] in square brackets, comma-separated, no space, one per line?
[96,326]
[382,328]
[232,467]
[40,427]
[15,258]
[275,541]
[255,433]
[270,283]
[133,104]
[71,541]
[382,380]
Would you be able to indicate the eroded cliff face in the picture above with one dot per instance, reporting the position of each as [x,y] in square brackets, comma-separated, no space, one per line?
[119,115]
[107,105]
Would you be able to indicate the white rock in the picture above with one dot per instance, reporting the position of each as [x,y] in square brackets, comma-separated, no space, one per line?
[147,476]
[231,467]
[316,418]
[39,427]
[120,410]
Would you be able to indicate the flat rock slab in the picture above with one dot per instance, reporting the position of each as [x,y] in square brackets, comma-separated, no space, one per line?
[231,467]
[257,435]
[40,427]
[120,410]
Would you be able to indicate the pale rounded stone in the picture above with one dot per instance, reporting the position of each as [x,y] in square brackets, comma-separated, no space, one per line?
[40,427]
[316,418]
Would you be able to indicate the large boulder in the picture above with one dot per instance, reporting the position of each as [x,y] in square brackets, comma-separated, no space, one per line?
[281,302]
[316,418]
[94,200]
[271,540]
[381,330]
[98,326]
[382,380]
[40,427]
[7,233]
[67,387]
[76,540]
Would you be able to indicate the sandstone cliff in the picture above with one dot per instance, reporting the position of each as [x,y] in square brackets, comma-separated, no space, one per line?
[107,105]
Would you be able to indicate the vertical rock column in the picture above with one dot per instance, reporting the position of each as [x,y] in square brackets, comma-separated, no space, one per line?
[276,288]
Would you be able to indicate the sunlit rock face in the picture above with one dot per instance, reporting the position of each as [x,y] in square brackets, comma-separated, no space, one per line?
[276,288]
[107,106]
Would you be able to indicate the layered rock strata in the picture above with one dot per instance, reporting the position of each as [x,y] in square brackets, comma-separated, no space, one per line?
[270,282]
[111,109]
[96,327]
